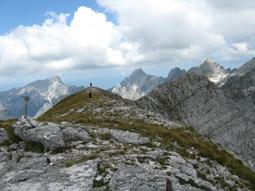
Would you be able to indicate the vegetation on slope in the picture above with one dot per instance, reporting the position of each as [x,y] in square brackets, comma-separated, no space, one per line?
[79,108]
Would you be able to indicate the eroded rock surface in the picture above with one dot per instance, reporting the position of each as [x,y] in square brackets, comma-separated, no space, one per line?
[97,159]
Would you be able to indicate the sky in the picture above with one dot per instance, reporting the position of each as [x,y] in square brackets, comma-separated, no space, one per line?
[102,41]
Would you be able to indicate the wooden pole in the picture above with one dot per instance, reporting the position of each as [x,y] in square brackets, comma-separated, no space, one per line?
[26,99]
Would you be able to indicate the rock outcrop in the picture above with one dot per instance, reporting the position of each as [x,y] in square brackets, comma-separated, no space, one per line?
[210,69]
[51,136]
[108,163]
[48,135]
[198,102]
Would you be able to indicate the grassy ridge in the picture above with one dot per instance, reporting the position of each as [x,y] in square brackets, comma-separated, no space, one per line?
[186,138]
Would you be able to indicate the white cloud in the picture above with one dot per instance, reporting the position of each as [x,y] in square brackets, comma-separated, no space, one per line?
[173,30]
[241,46]
[89,41]
[147,31]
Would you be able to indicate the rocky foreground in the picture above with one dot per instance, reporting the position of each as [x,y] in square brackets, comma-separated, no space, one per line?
[47,156]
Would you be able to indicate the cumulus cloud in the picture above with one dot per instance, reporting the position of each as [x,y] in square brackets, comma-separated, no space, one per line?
[172,30]
[146,31]
[89,41]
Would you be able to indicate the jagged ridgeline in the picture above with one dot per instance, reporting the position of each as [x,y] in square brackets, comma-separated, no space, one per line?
[187,159]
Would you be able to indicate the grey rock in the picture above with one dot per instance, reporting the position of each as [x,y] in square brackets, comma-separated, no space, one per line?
[133,178]
[32,162]
[189,171]
[201,104]
[182,176]
[128,137]
[49,135]
[210,69]
[23,175]
[73,134]
[77,177]
[205,184]
[174,74]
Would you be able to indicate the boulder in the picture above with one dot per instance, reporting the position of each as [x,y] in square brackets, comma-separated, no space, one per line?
[128,137]
[133,178]
[49,135]
[77,177]
[74,134]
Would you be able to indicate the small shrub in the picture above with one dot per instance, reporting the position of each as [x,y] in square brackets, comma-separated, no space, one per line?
[81,159]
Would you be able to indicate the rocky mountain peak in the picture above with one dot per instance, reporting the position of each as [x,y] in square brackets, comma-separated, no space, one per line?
[210,65]
[137,85]
[210,61]
[137,72]
[43,95]
[56,78]
[175,73]
[212,70]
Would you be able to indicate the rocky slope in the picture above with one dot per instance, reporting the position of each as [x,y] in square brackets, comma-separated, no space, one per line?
[200,103]
[241,87]
[107,143]
[210,69]
[43,95]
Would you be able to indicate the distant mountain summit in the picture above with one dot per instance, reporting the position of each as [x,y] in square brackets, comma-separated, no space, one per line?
[174,74]
[210,69]
[137,85]
[241,84]
[43,95]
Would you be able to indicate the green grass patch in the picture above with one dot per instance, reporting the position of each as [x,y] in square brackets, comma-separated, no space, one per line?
[186,138]
[81,159]
[105,136]
[7,125]
[34,147]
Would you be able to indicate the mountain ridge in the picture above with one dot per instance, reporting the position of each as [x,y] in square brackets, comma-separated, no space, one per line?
[47,91]
[196,101]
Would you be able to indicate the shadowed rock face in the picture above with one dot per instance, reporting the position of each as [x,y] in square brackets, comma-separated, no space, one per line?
[241,87]
[198,102]
[174,74]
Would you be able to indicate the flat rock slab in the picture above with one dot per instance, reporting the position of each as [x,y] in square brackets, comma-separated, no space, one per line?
[75,178]
[128,137]
[133,178]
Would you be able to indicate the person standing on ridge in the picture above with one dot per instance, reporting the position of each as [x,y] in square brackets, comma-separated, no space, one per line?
[90,93]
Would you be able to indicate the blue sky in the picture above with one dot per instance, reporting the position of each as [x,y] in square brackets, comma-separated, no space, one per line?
[105,40]
[29,12]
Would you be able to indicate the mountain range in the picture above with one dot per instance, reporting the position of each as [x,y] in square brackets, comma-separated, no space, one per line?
[43,95]
[139,83]
[225,114]
[193,131]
